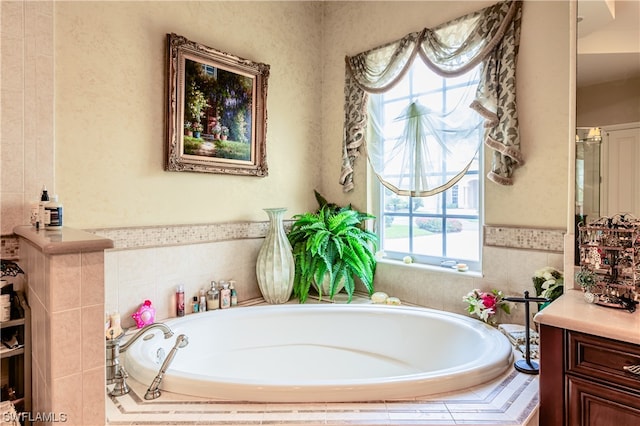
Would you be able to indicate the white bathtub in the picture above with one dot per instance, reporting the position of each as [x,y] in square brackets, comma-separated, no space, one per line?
[323,353]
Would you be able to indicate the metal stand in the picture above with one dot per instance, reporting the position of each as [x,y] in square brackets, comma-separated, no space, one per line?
[526,365]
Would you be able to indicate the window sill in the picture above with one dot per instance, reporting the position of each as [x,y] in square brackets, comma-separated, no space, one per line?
[429,268]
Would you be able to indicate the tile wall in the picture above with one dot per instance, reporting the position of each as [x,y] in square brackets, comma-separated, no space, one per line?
[27,107]
[147,263]
[66,295]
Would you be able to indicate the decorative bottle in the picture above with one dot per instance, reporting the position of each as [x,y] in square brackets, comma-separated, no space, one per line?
[275,266]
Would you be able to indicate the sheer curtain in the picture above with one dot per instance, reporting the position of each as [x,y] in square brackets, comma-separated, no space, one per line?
[489,37]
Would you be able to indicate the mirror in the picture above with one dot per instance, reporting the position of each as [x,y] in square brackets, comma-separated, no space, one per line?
[607,109]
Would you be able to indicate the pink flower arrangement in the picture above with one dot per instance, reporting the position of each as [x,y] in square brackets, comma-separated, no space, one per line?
[485,304]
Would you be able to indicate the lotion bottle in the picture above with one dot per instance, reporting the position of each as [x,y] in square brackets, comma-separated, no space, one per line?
[53,211]
[234,293]
[225,297]
[180,300]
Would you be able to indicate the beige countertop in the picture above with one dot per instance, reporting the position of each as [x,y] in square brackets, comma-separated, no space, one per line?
[65,240]
[572,312]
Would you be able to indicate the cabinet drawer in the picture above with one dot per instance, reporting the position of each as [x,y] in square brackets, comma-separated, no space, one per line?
[604,359]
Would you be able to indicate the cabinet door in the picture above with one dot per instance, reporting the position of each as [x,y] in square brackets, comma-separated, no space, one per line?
[591,404]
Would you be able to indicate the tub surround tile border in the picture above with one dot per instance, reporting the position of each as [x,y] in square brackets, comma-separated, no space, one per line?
[170,235]
[158,236]
[510,400]
[524,238]
[9,247]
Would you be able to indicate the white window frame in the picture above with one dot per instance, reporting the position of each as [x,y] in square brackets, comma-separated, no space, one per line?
[377,193]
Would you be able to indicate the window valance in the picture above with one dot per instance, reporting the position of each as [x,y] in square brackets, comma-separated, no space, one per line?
[489,37]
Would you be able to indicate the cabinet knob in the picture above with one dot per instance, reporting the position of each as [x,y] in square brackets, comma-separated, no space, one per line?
[634,369]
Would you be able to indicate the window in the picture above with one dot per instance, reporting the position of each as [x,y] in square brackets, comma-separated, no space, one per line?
[444,228]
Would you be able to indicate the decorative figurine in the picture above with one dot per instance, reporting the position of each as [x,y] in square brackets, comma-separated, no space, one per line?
[145,315]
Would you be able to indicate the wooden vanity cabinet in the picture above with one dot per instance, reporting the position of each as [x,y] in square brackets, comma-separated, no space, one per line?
[583,381]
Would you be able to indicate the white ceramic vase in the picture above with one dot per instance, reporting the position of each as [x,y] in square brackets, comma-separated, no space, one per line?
[275,267]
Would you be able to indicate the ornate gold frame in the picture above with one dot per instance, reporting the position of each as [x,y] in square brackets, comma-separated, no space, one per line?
[205,157]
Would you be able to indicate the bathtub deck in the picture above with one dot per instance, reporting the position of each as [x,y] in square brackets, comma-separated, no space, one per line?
[510,400]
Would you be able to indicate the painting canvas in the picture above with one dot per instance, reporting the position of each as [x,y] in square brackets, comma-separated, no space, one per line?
[216,111]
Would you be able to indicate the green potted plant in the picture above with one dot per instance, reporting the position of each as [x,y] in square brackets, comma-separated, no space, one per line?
[332,245]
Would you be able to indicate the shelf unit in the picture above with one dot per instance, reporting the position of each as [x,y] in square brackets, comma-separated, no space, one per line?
[610,249]
[18,361]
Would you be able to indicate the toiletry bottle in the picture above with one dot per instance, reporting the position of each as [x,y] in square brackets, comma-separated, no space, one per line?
[44,199]
[225,296]
[213,297]
[221,285]
[115,329]
[53,211]
[203,300]
[35,206]
[195,306]
[180,300]
[234,293]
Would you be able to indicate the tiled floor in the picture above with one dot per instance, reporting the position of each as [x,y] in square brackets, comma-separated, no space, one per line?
[510,400]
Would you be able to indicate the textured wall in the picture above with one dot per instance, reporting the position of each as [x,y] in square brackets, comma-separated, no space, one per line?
[539,194]
[110,108]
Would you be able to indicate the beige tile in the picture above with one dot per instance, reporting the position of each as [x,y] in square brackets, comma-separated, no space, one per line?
[110,280]
[521,265]
[136,265]
[12,18]
[47,349]
[44,34]
[131,296]
[66,337]
[175,261]
[92,278]
[37,387]
[493,263]
[66,396]
[37,329]
[93,396]
[11,211]
[64,281]
[12,175]
[93,354]
[42,277]
[12,65]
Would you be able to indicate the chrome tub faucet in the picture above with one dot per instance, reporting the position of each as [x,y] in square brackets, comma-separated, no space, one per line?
[115,371]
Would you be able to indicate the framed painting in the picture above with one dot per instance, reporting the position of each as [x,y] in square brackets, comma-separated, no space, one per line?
[216,111]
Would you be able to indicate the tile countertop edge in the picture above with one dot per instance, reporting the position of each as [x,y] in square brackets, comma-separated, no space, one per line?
[572,312]
[63,241]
